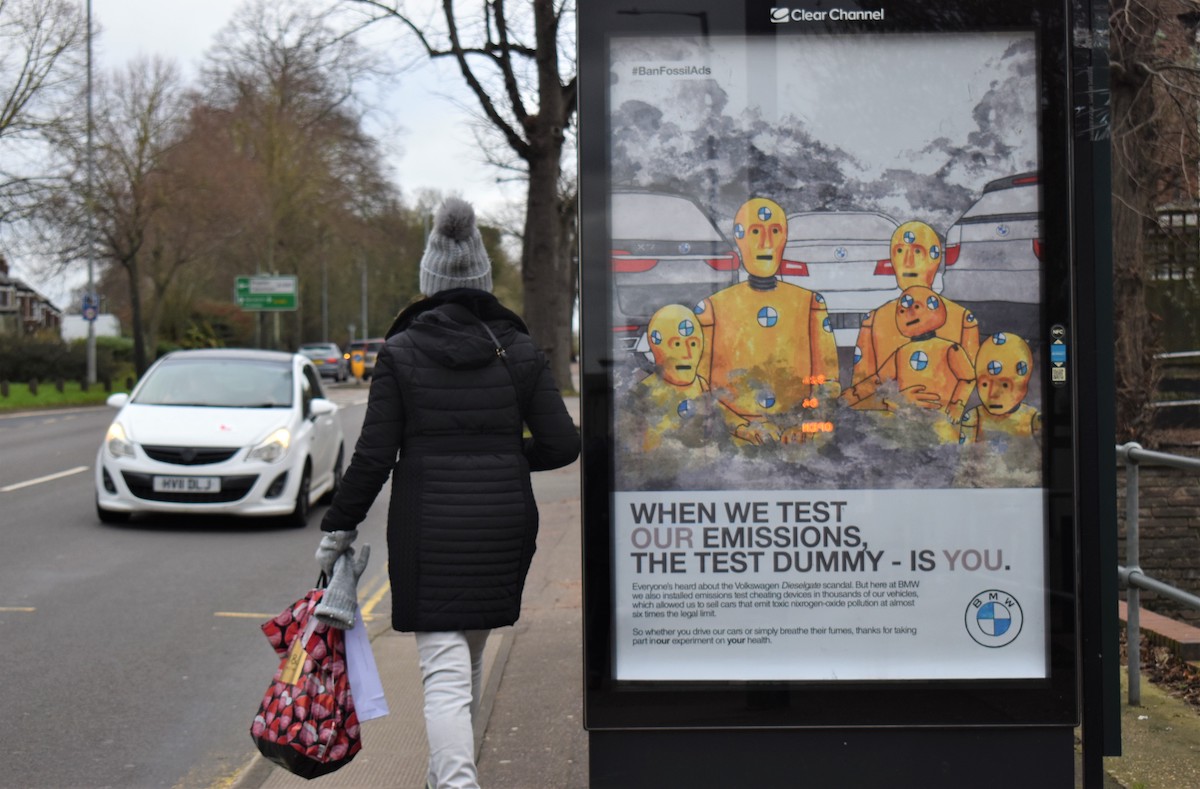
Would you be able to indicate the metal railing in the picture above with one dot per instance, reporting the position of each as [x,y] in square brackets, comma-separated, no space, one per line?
[1136,580]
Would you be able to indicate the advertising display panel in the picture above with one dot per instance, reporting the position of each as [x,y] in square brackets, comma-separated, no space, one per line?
[826,302]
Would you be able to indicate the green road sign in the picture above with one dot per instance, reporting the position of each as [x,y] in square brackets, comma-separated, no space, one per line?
[266,293]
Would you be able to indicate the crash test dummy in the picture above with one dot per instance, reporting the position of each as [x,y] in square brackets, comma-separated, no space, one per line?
[770,356]
[674,393]
[928,371]
[916,254]
[1002,369]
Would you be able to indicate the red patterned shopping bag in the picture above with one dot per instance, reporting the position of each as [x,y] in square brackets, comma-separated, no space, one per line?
[306,722]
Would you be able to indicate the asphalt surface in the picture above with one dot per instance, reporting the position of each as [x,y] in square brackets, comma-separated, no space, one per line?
[132,655]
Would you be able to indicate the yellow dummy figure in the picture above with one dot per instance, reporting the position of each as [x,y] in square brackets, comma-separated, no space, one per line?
[916,255]
[771,356]
[929,371]
[674,391]
[1002,369]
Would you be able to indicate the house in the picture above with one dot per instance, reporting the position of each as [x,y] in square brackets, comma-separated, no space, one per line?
[22,309]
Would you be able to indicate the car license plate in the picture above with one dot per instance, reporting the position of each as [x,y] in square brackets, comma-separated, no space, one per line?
[318,362]
[187,484]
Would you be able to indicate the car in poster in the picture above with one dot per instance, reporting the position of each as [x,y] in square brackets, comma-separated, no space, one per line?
[994,249]
[665,250]
[844,256]
[221,432]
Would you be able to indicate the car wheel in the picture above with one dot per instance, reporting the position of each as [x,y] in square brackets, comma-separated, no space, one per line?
[336,485]
[299,516]
[109,516]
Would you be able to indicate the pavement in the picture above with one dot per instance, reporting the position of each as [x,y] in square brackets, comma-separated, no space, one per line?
[529,732]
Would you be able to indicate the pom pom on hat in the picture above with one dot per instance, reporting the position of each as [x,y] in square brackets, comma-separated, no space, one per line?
[454,256]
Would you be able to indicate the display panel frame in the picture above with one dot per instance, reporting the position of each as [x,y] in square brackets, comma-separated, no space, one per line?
[736,698]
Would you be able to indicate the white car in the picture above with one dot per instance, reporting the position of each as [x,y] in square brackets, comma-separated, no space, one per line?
[845,256]
[994,250]
[221,432]
[665,250]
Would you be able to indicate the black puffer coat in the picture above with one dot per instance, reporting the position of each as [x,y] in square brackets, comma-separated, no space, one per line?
[445,419]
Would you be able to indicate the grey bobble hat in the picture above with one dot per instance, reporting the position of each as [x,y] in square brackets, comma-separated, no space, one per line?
[454,256]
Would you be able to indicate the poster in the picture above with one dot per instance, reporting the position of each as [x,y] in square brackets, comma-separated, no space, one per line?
[829,361]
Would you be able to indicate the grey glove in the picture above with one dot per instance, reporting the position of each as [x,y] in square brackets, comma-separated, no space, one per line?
[340,599]
[333,545]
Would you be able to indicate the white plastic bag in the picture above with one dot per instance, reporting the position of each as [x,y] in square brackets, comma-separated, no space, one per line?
[365,683]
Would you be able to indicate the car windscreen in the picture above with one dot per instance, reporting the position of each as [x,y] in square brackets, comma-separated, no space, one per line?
[218,383]
[841,227]
[319,350]
[656,216]
[1020,200]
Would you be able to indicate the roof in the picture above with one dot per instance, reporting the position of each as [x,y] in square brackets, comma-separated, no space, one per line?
[235,355]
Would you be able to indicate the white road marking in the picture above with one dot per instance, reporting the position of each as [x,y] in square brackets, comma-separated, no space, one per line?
[16,609]
[48,478]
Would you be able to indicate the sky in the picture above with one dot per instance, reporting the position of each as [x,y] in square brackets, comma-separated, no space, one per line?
[882,109]
[424,133]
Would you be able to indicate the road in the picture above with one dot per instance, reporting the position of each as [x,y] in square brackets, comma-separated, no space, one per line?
[131,654]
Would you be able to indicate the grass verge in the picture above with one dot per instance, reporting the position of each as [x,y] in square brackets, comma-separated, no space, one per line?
[21,399]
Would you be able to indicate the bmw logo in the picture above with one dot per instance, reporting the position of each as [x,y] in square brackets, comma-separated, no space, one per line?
[970,317]
[820,299]
[999,339]
[655,337]
[766,399]
[685,248]
[995,368]
[767,317]
[906,301]
[739,231]
[686,328]
[827,326]
[932,302]
[687,409]
[840,253]
[918,361]
[857,354]
[1022,368]
[699,308]
[764,213]
[994,618]
[935,252]
[1002,230]
[909,236]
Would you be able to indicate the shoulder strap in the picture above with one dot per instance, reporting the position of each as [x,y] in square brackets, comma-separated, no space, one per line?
[501,352]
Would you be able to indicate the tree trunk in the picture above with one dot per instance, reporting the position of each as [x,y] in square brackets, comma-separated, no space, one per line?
[545,276]
[140,362]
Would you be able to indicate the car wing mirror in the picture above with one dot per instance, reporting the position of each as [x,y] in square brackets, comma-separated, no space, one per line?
[119,400]
[322,407]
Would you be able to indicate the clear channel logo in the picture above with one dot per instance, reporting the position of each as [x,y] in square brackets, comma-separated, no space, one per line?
[994,618]
[781,15]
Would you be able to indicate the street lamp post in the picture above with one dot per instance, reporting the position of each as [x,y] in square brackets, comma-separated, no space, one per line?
[91,217]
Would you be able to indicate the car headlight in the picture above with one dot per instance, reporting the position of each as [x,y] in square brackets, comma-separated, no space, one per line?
[273,447]
[117,443]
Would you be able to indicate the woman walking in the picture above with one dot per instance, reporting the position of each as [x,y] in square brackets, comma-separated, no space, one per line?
[455,387]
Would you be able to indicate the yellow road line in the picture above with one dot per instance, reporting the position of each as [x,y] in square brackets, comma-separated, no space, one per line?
[367,608]
[373,599]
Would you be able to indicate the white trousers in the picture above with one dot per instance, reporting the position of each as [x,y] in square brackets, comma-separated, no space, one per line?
[452,672]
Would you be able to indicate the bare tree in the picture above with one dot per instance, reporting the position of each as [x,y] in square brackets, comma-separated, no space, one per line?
[1155,98]
[141,116]
[288,84]
[510,57]
[42,51]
